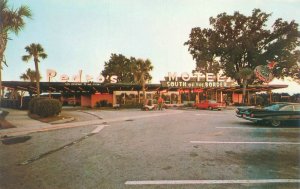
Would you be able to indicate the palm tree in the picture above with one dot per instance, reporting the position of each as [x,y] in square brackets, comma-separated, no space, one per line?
[29,75]
[140,69]
[244,75]
[35,51]
[11,21]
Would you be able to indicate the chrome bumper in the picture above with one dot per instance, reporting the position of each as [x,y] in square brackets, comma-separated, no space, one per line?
[249,118]
[253,119]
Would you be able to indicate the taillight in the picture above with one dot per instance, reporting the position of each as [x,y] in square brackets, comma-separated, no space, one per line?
[251,115]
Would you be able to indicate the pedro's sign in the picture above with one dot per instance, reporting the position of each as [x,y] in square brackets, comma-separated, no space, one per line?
[78,77]
[195,80]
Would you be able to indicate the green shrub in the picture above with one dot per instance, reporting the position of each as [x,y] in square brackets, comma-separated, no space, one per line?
[189,104]
[260,100]
[44,107]
[103,103]
[32,104]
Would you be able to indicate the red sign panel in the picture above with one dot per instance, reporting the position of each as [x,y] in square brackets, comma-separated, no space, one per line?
[197,90]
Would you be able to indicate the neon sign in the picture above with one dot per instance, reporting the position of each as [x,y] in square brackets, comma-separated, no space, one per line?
[195,80]
[78,77]
[264,72]
[199,76]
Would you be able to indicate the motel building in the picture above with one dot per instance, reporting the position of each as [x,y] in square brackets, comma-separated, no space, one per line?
[177,89]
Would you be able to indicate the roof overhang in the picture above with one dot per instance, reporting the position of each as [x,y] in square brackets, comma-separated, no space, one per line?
[92,87]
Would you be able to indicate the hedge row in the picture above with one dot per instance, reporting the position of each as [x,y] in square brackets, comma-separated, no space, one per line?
[44,107]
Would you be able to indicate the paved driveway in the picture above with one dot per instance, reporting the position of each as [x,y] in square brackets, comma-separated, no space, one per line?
[159,149]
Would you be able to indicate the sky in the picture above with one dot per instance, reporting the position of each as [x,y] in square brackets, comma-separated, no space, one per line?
[82,34]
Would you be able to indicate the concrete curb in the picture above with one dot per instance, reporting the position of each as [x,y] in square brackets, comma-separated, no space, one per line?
[67,120]
[49,127]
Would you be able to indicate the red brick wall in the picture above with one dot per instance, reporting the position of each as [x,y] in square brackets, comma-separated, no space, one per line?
[86,101]
[237,98]
[98,97]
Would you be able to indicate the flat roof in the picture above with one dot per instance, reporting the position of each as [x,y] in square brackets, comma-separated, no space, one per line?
[93,87]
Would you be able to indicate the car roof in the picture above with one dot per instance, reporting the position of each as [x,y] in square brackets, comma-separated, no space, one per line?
[290,103]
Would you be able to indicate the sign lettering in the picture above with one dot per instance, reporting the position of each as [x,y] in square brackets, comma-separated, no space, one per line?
[78,77]
[195,80]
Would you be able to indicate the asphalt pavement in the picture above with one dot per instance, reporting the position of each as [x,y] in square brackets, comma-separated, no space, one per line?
[152,149]
[78,118]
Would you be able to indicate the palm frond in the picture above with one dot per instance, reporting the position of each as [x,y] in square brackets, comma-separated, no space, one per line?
[24,11]
[16,18]
[4,61]
[24,77]
[29,49]
[33,48]
[3,5]
[35,51]
[29,75]
[26,58]
[39,48]
[43,55]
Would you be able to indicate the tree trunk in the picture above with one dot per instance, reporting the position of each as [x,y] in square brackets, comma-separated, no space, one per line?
[37,74]
[144,93]
[3,42]
[0,78]
[144,89]
[21,102]
[244,91]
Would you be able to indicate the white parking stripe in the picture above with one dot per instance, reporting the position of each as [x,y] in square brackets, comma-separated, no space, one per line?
[226,142]
[257,128]
[209,114]
[98,128]
[174,182]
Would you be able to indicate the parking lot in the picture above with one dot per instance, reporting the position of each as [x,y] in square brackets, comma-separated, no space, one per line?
[156,149]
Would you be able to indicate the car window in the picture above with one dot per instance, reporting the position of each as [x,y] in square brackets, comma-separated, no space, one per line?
[287,108]
[297,107]
[274,107]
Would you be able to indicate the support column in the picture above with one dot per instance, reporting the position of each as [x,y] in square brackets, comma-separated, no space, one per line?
[114,98]
[221,93]
[248,98]
[179,98]
[124,97]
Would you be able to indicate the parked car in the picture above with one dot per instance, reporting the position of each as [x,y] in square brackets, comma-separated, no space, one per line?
[243,110]
[240,111]
[274,114]
[209,104]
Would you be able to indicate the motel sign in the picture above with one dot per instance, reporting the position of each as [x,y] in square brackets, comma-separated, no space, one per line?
[195,80]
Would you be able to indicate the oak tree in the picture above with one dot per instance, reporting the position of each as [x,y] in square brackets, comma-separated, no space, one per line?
[234,42]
